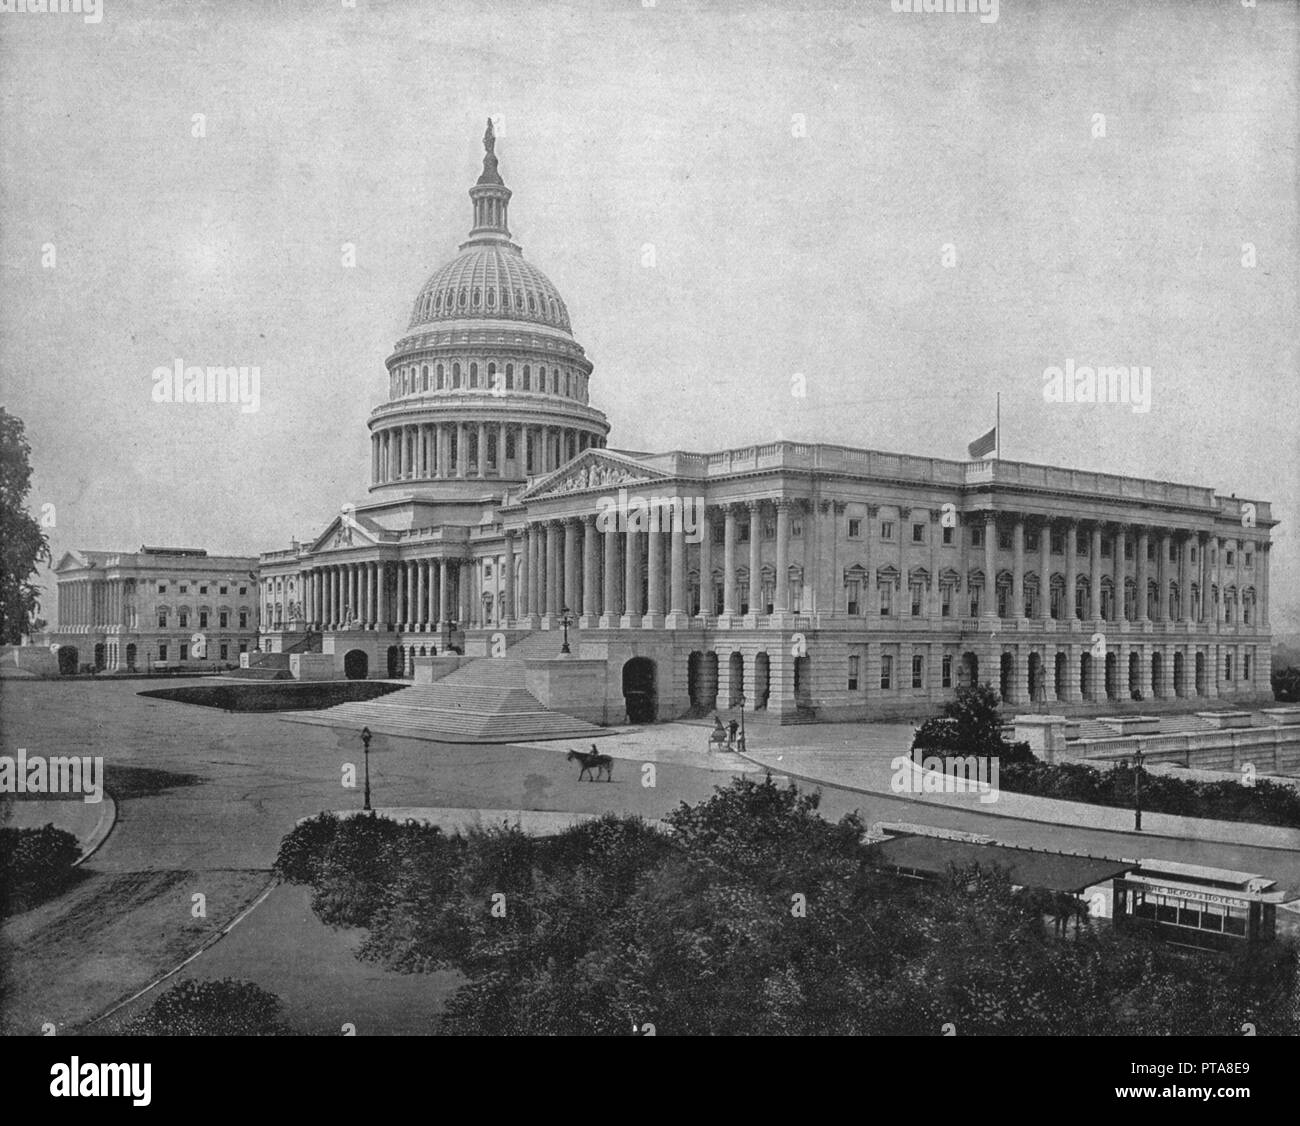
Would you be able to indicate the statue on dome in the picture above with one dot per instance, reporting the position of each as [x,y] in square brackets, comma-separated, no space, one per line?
[489,138]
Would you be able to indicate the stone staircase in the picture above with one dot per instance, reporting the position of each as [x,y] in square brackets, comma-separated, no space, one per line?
[484,701]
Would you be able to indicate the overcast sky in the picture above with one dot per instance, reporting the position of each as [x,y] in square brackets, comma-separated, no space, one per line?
[783,244]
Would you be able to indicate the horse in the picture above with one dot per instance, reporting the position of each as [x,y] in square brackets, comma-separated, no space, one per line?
[600,762]
[717,739]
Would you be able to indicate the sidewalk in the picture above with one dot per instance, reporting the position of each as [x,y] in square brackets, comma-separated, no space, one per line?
[869,771]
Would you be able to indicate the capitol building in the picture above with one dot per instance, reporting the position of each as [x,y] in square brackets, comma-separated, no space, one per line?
[797,581]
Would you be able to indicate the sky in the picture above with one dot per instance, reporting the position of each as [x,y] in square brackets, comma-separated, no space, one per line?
[911,212]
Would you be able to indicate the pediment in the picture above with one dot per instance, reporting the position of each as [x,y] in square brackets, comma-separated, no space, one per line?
[346,530]
[593,470]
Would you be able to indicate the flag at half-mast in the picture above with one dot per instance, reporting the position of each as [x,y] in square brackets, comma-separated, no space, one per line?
[984,445]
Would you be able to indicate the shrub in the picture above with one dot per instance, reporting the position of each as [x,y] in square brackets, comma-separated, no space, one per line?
[34,865]
[212,1008]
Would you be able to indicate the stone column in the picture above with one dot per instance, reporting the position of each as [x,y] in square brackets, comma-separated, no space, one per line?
[482,449]
[535,606]
[935,532]
[1071,575]
[755,557]
[1261,569]
[1117,606]
[465,581]
[990,565]
[654,615]
[1018,577]
[781,594]
[631,580]
[501,456]
[552,572]
[1094,573]
[728,566]
[1143,611]
[422,591]
[1045,587]
[610,608]
[572,575]
[510,613]
[590,578]
[444,593]
[707,605]
[678,615]
[1166,576]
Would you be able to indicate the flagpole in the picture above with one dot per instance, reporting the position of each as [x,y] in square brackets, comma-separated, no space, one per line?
[997,431]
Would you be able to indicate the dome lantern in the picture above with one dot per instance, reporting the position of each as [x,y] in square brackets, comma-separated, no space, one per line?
[490,195]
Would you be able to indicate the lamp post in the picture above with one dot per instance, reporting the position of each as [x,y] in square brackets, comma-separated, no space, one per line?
[1137,788]
[365,739]
[740,743]
[566,620]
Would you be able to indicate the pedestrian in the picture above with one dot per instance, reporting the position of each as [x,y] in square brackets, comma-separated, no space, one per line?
[732,728]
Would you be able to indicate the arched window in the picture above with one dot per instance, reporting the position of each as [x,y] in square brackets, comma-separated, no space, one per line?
[510,377]
[478,297]
[492,376]
[464,297]
[455,375]
[528,376]
[439,375]
[473,375]
[492,298]
[532,303]
[425,377]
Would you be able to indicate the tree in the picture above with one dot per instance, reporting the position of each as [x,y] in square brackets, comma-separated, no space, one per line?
[212,1008]
[1286,685]
[23,545]
[971,724]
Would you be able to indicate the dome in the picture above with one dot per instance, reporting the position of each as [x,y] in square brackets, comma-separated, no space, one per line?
[490,279]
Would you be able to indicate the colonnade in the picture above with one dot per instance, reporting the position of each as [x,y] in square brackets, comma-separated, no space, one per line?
[437,450]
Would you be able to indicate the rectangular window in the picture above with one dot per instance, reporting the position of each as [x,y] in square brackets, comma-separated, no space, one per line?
[1151,551]
[223,589]
[918,596]
[918,533]
[742,533]
[1058,543]
[769,529]
[886,599]
[1173,552]
[887,530]
[855,529]
[1105,549]
[719,533]
[1004,539]
[162,588]
[243,619]
[203,619]
[203,589]
[184,588]
[243,590]
[1031,541]
[1245,667]
[918,671]
[947,670]
[185,620]
[945,600]
[796,527]
[1128,549]
[886,671]
[1231,558]
[852,592]
[225,651]
[854,661]
[1250,559]
[1081,547]
[977,537]
[223,619]
[162,620]
[243,646]
[162,652]
[947,535]
[185,650]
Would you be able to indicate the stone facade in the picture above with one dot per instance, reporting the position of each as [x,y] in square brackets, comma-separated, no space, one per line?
[810,581]
[135,611]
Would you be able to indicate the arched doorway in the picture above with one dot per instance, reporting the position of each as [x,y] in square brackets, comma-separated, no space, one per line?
[694,666]
[969,676]
[1112,675]
[639,692]
[1060,674]
[356,664]
[1157,667]
[1200,674]
[1180,670]
[130,656]
[1006,674]
[803,682]
[99,657]
[1085,675]
[736,669]
[762,681]
[1037,681]
[394,662]
[1134,677]
[68,660]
